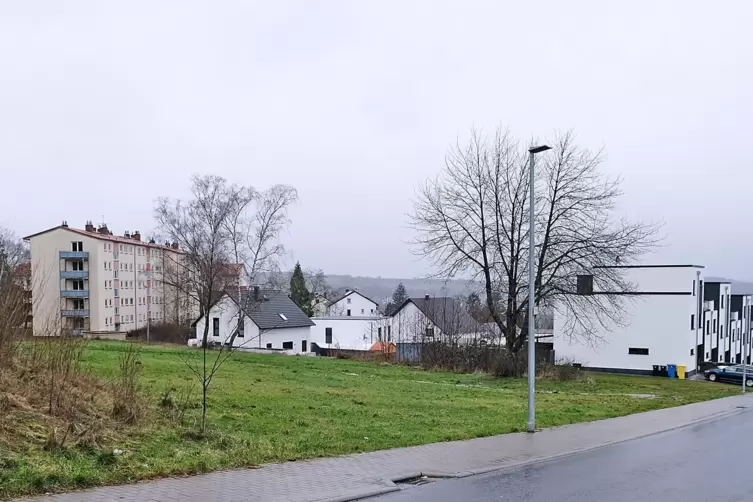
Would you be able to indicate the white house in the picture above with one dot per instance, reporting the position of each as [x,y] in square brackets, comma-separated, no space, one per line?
[437,319]
[352,333]
[270,321]
[353,303]
[663,321]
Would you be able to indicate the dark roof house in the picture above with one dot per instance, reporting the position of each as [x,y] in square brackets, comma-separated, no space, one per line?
[268,308]
[446,313]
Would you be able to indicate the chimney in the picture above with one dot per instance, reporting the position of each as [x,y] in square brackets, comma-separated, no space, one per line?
[136,236]
[127,234]
[151,241]
[174,245]
[64,224]
[426,297]
[256,293]
[347,290]
[103,229]
[89,227]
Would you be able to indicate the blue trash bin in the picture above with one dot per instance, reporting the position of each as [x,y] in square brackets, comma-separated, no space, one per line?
[672,370]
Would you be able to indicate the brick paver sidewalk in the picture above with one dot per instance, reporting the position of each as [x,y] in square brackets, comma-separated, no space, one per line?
[355,476]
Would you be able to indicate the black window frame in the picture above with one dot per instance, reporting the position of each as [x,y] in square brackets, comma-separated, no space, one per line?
[215,326]
[328,335]
[269,345]
[241,328]
[692,321]
[638,351]
[304,346]
[287,345]
[429,332]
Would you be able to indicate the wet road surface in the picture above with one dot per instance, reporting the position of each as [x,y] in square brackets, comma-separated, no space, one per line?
[705,462]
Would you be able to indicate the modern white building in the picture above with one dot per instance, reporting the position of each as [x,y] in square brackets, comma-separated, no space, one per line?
[270,321]
[663,322]
[353,303]
[91,281]
[351,333]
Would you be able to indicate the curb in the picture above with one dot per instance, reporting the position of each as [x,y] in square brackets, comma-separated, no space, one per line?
[531,461]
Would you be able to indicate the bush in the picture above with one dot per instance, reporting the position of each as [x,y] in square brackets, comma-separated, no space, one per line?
[125,390]
[563,370]
[162,333]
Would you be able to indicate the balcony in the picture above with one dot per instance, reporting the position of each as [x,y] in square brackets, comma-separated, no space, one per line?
[75,313]
[74,274]
[74,293]
[75,255]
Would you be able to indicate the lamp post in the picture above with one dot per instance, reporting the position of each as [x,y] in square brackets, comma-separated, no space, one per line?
[531,426]
[744,338]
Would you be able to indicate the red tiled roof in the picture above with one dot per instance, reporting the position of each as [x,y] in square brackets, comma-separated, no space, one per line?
[105,237]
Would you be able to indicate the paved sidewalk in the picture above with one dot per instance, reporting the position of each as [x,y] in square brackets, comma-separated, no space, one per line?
[356,476]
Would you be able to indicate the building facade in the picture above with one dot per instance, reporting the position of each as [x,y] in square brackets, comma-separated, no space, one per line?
[353,303]
[90,281]
[662,322]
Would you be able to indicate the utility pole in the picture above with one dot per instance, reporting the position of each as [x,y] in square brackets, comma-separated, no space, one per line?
[531,425]
[744,338]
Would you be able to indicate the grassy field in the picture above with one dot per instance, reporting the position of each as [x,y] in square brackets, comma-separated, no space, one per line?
[266,408]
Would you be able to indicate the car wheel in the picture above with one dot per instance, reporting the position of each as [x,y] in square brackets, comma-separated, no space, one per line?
[712,377]
[749,383]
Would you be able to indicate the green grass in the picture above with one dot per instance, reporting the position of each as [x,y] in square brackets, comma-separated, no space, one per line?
[268,408]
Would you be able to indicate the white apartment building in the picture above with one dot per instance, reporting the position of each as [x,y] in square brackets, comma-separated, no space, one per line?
[91,281]
[661,324]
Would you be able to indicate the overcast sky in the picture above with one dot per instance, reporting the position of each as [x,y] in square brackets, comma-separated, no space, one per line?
[105,106]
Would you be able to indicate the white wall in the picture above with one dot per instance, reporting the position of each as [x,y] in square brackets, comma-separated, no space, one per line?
[227,312]
[660,323]
[357,304]
[352,333]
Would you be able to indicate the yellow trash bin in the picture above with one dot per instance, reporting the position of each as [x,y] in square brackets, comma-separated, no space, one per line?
[681,371]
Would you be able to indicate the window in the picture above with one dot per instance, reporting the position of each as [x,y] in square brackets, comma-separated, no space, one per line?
[269,345]
[348,300]
[362,311]
[708,327]
[707,355]
[78,304]
[692,321]
[131,301]
[429,332]
[78,285]
[692,352]
[638,351]
[372,311]
[722,301]
[117,310]
[283,316]
[389,333]
[327,335]
[348,312]
[721,331]
[303,346]
[116,273]
[216,326]
[287,345]
[585,285]
[241,328]
[716,323]
[379,333]
[77,246]
[693,287]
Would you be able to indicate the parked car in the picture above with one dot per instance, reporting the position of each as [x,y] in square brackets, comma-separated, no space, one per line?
[731,374]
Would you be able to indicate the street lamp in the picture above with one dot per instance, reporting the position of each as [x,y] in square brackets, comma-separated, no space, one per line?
[531,426]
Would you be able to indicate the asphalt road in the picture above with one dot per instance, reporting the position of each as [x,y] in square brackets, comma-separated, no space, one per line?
[705,462]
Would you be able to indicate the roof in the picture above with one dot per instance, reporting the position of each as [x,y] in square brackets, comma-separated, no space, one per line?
[105,237]
[447,314]
[348,293]
[737,287]
[266,311]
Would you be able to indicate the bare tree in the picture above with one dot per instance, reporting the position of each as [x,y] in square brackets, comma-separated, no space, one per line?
[213,229]
[199,228]
[472,220]
[255,228]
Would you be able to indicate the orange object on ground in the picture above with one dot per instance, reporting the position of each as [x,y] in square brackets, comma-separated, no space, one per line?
[384,347]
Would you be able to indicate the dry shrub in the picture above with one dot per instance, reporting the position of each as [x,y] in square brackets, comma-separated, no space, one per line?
[563,370]
[175,406]
[162,333]
[126,403]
